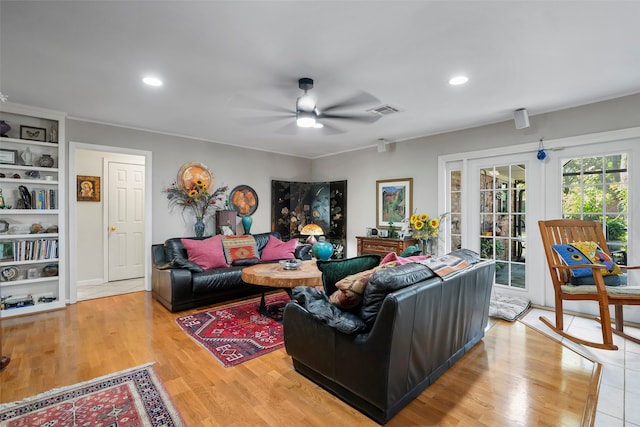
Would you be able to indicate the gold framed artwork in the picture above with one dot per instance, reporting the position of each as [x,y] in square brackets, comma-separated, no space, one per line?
[88,188]
[192,171]
[394,200]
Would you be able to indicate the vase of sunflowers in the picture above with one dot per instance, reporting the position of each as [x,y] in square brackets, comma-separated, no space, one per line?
[198,199]
[426,229]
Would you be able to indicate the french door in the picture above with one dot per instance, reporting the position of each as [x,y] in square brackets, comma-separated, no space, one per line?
[495,198]
[598,182]
[505,200]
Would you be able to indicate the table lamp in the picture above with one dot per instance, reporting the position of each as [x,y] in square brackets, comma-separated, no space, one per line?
[311,230]
[321,249]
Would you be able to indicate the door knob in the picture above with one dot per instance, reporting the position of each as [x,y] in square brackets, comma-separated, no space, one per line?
[112,228]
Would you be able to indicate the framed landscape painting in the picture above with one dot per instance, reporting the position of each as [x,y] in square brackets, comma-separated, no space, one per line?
[393,201]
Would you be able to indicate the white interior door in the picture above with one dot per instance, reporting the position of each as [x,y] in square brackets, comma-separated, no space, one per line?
[126,221]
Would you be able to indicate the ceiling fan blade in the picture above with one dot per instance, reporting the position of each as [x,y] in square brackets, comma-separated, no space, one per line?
[251,103]
[328,129]
[362,118]
[288,129]
[360,99]
[264,120]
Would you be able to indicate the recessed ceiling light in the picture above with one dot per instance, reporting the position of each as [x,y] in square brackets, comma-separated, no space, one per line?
[152,81]
[458,80]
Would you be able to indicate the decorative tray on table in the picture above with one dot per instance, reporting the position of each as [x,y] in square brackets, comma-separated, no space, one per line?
[290,264]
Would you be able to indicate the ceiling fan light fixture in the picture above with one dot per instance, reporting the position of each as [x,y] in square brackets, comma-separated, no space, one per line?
[305,102]
[305,119]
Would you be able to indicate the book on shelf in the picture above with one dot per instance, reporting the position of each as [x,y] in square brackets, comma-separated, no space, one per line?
[43,199]
[35,250]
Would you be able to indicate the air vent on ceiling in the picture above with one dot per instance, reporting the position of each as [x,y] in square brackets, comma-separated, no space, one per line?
[384,110]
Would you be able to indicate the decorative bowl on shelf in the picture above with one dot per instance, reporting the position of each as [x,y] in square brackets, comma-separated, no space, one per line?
[290,264]
[50,270]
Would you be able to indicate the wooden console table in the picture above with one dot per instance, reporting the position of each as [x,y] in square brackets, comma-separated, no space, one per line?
[382,245]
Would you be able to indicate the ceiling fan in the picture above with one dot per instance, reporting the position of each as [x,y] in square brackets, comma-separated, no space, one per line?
[308,114]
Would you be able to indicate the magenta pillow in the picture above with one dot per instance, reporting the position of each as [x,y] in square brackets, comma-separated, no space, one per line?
[392,256]
[206,253]
[276,249]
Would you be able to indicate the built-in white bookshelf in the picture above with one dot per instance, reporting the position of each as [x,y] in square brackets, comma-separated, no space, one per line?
[32,218]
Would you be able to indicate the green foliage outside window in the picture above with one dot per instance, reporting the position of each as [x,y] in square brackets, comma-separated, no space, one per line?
[596,188]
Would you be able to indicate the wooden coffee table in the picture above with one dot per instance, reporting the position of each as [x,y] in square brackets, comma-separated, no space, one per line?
[274,276]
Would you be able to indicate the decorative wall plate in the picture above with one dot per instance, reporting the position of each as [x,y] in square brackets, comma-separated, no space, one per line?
[244,200]
[9,274]
[192,171]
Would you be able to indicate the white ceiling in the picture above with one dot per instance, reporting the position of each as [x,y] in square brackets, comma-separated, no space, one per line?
[219,57]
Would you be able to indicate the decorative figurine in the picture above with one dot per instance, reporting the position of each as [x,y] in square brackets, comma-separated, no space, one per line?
[27,157]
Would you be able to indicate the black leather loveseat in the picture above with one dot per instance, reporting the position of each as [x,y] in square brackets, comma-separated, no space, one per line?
[411,327]
[179,284]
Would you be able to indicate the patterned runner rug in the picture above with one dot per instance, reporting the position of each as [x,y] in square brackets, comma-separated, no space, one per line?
[132,398]
[235,333]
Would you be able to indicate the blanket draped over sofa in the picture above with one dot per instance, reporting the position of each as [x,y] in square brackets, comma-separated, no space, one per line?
[411,327]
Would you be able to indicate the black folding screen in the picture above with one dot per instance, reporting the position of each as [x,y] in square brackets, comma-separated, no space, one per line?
[295,204]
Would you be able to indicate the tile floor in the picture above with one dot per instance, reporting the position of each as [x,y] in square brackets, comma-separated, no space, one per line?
[619,398]
[110,288]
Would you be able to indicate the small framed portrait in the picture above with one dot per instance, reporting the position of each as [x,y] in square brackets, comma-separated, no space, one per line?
[393,200]
[8,157]
[88,188]
[33,133]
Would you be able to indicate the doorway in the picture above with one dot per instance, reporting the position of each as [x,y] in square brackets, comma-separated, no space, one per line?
[492,205]
[104,261]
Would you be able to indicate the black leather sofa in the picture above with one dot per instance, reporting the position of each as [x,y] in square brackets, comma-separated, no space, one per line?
[412,326]
[179,284]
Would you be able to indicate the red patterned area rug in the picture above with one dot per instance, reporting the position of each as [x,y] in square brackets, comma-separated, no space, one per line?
[235,333]
[132,398]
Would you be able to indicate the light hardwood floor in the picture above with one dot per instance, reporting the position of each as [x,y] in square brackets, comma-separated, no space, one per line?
[516,376]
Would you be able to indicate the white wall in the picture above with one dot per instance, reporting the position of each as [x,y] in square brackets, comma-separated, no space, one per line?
[418,158]
[230,165]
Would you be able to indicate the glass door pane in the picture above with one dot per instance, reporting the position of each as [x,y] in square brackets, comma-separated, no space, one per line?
[455,209]
[502,221]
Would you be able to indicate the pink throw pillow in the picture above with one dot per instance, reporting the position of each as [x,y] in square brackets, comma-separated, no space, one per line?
[392,256]
[276,249]
[206,253]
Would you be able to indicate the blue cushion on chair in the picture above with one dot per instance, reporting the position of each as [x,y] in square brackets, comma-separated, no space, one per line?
[588,253]
[572,256]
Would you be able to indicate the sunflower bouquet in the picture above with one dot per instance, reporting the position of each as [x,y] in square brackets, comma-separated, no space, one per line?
[197,197]
[424,227]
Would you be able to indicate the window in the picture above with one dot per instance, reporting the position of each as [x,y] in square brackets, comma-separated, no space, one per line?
[596,189]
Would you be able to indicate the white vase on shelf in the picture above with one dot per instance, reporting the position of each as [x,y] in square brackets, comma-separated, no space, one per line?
[27,157]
